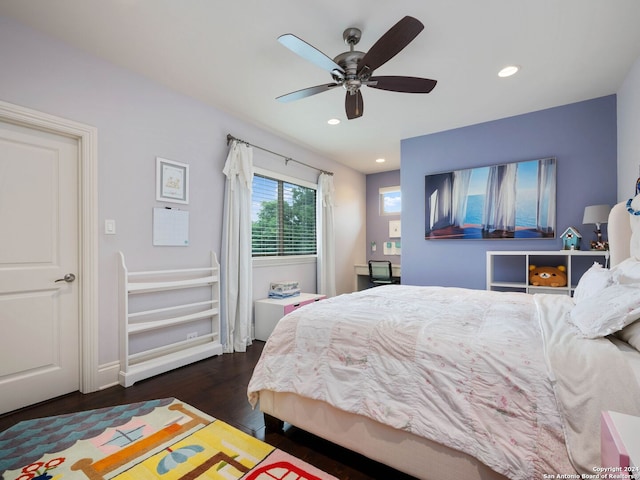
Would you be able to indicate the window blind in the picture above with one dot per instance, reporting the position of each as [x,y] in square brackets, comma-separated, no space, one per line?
[283,218]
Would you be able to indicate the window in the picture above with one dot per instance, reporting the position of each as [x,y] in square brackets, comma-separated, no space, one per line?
[390,201]
[283,217]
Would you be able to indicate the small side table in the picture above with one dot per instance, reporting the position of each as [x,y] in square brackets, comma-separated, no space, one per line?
[269,311]
[620,442]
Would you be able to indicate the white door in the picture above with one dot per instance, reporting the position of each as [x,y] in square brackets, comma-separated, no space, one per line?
[39,235]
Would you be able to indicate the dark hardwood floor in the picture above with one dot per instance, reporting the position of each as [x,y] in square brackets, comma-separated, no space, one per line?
[218,386]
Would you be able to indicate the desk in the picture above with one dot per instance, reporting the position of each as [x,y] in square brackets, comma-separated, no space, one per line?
[362,275]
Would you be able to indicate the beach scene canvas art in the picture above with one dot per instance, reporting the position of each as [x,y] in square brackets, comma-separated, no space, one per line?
[513,200]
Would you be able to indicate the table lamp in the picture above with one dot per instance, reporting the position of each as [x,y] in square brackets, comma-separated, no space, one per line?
[597,214]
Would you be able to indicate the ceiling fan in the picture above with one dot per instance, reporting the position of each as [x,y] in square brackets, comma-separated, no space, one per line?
[354,69]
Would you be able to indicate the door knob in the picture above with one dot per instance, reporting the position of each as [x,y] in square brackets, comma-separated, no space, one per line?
[69,277]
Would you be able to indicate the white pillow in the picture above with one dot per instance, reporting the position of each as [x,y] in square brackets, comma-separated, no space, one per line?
[627,271]
[608,311]
[631,335]
[594,280]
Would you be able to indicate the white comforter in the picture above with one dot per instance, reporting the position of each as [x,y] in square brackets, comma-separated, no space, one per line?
[465,368]
[588,376]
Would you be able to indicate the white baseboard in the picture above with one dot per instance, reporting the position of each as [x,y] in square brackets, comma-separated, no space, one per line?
[108,375]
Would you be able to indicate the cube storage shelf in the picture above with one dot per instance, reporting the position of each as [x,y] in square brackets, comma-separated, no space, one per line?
[158,285]
[508,270]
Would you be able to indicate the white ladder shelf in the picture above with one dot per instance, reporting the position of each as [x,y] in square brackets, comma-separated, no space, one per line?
[173,354]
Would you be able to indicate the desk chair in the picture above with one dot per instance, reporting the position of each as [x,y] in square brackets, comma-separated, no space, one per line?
[380,273]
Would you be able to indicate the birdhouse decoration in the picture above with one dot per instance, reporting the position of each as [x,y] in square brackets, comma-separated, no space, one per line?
[571,239]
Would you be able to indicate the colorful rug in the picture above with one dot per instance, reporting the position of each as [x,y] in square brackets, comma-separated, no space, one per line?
[160,439]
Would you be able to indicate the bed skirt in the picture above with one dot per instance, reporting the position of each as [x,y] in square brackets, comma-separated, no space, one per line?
[404,451]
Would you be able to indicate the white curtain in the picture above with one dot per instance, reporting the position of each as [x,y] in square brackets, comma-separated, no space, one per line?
[461,181]
[500,198]
[236,272]
[441,202]
[446,200]
[546,211]
[434,207]
[326,267]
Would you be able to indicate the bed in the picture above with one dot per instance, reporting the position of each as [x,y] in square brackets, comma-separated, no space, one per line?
[449,383]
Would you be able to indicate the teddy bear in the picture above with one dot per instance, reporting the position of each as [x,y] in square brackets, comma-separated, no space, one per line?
[548,276]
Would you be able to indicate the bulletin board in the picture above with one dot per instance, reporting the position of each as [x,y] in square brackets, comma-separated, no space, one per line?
[170,227]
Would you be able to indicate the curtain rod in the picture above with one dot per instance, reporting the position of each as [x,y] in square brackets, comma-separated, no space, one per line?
[230,138]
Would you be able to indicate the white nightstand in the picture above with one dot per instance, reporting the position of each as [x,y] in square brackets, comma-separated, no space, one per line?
[269,311]
[620,442]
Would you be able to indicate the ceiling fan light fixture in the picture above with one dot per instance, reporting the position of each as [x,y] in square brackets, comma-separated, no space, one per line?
[380,160]
[353,69]
[508,71]
[333,121]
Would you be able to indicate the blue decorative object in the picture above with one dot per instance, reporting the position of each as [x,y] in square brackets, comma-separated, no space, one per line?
[630,209]
[571,239]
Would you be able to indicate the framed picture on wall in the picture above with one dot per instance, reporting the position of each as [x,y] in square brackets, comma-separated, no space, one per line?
[172,181]
[513,200]
[394,229]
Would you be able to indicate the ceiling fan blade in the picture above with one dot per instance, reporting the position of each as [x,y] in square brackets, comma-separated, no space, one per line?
[305,92]
[390,44]
[354,105]
[402,84]
[309,53]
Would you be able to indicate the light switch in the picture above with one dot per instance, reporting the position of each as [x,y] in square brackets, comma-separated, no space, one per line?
[110,227]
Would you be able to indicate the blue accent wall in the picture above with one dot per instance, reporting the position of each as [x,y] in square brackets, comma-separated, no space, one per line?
[581,136]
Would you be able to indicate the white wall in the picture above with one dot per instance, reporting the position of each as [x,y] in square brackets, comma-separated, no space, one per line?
[138,120]
[628,107]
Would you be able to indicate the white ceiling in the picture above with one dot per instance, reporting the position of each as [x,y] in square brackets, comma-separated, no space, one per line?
[225,54]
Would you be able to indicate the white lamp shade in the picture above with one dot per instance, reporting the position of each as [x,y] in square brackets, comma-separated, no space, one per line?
[596,214]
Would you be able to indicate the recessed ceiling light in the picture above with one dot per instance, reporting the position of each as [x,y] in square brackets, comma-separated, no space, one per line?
[380,160]
[333,121]
[508,71]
